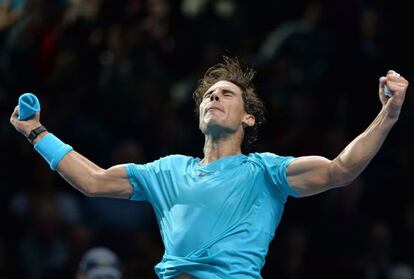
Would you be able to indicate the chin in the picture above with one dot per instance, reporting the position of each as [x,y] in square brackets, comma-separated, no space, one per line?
[211,127]
[215,128]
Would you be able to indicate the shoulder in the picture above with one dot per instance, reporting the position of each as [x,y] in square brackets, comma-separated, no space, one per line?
[166,163]
[176,158]
[275,166]
[270,159]
[174,161]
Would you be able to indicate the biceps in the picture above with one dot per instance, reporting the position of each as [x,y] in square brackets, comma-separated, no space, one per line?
[310,175]
[113,182]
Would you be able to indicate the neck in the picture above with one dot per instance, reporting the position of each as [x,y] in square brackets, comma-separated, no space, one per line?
[216,148]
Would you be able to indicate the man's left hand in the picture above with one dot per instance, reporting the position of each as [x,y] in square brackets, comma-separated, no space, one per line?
[397,85]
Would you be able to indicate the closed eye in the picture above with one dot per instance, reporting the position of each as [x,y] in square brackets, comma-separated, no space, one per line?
[228,93]
[207,95]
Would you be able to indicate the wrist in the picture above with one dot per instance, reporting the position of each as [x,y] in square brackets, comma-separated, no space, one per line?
[52,149]
[39,137]
[29,127]
[390,116]
[36,134]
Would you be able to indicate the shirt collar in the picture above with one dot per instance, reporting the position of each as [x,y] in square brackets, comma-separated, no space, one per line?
[220,164]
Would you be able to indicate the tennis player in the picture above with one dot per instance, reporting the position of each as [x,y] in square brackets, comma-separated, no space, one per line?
[218,214]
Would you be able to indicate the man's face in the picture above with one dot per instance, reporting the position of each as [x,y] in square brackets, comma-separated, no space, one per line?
[222,109]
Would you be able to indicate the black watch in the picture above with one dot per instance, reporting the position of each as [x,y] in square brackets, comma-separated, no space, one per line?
[35,132]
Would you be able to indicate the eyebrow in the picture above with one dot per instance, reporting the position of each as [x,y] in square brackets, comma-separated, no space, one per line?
[225,90]
[207,92]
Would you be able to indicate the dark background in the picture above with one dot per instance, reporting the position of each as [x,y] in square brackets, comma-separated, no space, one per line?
[115,80]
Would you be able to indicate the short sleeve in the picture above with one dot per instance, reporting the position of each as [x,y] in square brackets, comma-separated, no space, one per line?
[276,167]
[158,181]
[141,178]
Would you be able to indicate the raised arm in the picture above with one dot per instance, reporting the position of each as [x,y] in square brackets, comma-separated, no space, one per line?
[310,175]
[80,172]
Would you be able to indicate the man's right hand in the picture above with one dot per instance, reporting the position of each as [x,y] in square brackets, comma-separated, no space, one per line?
[24,127]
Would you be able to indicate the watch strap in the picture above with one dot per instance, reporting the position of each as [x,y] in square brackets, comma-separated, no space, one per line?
[36,132]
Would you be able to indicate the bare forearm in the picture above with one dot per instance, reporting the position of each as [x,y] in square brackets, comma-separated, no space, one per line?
[357,155]
[79,172]
[92,180]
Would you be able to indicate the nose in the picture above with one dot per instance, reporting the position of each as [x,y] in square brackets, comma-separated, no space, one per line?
[214,96]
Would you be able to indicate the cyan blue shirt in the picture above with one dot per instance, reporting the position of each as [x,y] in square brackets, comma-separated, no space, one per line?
[216,220]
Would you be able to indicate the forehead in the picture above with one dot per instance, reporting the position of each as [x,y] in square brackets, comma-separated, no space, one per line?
[224,84]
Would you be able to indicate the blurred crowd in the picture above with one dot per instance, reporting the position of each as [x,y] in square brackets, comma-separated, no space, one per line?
[115,80]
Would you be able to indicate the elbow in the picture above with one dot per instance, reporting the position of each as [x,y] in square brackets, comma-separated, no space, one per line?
[344,183]
[89,194]
[95,179]
[343,178]
[340,176]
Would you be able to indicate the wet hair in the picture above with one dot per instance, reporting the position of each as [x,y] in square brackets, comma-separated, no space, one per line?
[231,70]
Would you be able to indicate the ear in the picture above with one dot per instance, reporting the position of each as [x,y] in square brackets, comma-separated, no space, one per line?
[248,120]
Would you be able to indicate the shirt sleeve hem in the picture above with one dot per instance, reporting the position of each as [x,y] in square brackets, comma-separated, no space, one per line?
[130,173]
[290,189]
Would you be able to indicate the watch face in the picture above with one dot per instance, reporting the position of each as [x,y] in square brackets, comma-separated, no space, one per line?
[32,135]
[35,132]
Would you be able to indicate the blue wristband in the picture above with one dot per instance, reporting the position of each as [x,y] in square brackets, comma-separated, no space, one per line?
[52,149]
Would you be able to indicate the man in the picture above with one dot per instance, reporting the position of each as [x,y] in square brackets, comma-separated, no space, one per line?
[218,215]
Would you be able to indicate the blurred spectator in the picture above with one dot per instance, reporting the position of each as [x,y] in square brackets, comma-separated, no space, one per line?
[401,271]
[10,11]
[42,251]
[296,56]
[80,238]
[376,260]
[100,263]
[67,206]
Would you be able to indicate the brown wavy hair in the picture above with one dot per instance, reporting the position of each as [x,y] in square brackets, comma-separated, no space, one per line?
[231,70]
